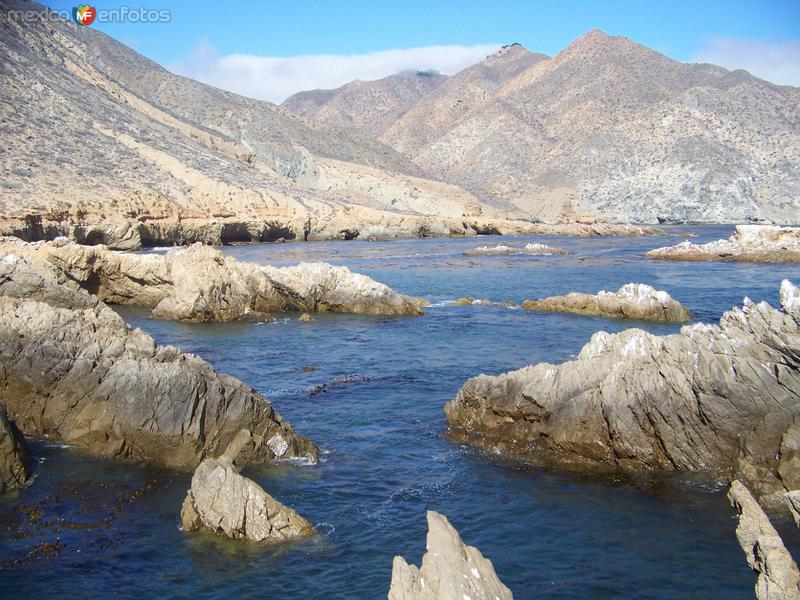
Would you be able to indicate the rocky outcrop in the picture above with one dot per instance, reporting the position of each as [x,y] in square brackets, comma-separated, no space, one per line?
[793,503]
[778,575]
[320,287]
[750,243]
[83,377]
[14,457]
[450,570]
[534,249]
[720,398]
[632,301]
[226,503]
[195,284]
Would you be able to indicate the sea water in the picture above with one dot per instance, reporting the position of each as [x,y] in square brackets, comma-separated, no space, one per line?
[370,392]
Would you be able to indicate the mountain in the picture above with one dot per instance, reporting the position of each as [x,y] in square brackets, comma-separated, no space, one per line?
[612,129]
[368,106]
[93,131]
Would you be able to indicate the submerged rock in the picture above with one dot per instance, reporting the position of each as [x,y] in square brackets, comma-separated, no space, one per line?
[718,398]
[750,243]
[14,457]
[534,249]
[197,283]
[83,377]
[305,318]
[229,504]
[450,570]
[631,301]
[778,575]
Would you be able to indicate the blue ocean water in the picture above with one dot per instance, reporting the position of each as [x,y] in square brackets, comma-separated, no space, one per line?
[370,392]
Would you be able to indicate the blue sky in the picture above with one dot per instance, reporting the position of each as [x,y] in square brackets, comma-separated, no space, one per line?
[201,32]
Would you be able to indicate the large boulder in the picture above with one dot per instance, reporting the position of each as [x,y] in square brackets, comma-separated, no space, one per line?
[14,457]
[632,301]
[778,575]
[199,283]
[224,502]
[83,377]
[320,287]
[749,243]
[718,398]
[450,570]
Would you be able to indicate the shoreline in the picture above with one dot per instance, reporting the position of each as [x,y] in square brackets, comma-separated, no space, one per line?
[138,234]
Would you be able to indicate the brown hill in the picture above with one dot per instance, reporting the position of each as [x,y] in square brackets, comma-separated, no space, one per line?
[368,106]
[93,132]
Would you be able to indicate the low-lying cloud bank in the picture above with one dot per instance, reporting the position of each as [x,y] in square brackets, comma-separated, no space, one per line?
[776,62]
[276,78]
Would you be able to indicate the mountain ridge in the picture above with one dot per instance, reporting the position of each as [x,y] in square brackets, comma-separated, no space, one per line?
[612,129]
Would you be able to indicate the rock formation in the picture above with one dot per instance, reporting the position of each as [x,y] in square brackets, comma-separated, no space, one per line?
[750,243]
[190,284]
[534,249]
[778,575]
[450,570]
[632,301]
[14,458]
[83,377]
[229,504]
[721,399]
[793,503]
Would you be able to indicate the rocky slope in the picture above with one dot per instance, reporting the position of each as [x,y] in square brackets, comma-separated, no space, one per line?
[778,575]
[224,502]
[631,301]
[99,142]
[750,243]
[612,129]
[368,106]
[450,570]
[83,377]
[14,457]
[722,399]
[188,284]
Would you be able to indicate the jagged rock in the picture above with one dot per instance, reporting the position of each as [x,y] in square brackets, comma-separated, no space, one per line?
[534,249]
[717,398]
[793,502]
[631,301]
[778,575]
[28,278]
[83,377]
[320,287]
[750,243]
[197,283]
[450,570]
[14,458]
[229,504]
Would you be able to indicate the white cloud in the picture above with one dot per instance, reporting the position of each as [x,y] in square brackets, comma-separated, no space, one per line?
[276,78]
[775,62]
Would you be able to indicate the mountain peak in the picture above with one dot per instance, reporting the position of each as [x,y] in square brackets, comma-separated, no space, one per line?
[509,52]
